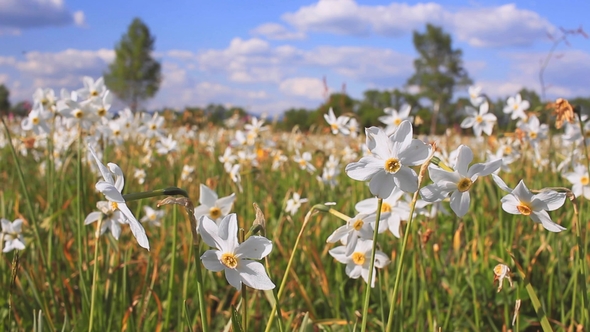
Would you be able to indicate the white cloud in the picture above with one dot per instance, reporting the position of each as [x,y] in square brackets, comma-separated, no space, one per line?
[276,31]
[499,26]
[79,18]
[307,87]
[23,14]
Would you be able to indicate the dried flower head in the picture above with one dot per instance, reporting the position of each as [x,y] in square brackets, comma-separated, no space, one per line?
[501,272]
[563,111]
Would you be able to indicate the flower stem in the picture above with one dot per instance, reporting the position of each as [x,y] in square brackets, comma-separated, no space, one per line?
[244,293]
[94,276]
[172,269]
[371,267]
[400,260]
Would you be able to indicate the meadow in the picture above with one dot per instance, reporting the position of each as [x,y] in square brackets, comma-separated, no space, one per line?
[71,264]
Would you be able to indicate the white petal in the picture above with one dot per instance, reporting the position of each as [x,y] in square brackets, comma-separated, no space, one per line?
[501,183]
[510,203]
[468,122]
[464,158]
[432,193]
[255,247]
[207,196]
[106,174]
[382,184]
[552,200]
[368,205]
[254,275]
[522,192]
[543,218]
[338,234]
[406,179]
[233,277]
[110,192]
[209,231]
[212,260]
[460,202]
[225,203]
[364,169]
[135,226]
[415,154]
[339,253]
[485,168]
[92,217]
[119,178]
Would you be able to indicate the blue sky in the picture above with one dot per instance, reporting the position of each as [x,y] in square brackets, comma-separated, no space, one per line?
[269,56]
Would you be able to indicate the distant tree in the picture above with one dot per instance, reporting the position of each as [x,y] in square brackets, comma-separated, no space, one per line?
[296,117]
[4,99]
[134,75]
[439,70]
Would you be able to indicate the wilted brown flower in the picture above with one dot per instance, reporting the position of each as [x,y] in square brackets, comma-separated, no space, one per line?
[563,110]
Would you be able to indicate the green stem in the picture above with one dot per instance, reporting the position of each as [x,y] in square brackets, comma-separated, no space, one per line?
[244,293]
[80,218]
[371,267]
[94,276]
[172,270]
[170,191]
[581,237]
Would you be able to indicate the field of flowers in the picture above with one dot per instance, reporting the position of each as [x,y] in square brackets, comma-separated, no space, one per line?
[139,222]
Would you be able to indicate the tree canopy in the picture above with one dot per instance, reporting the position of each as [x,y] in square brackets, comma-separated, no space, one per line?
[134,75]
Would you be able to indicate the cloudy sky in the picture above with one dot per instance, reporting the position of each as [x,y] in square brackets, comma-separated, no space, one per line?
[269,55]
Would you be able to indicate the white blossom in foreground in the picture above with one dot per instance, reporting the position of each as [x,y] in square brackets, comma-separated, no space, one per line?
[388,164]
[521,200]
[457,182]
[236,259]
[359,261]
[12,235]
[111,186]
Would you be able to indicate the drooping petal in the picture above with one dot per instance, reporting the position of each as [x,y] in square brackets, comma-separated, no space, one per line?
[209,231]
[136,228]
[92,217]
[382,184]
[106,174]
[432,193]
[339,253]
[353,270]
[110,191]
[460,202]
[544,218]
[119,178]
[255,247]
[212,260]
[254,275]
[484,169]
[406,179]
[501,183]
[468,122]
[233,277]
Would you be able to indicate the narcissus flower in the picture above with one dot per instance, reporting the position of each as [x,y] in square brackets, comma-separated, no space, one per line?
[152,216]
[111,186]
[521,200]
[580,180]
[11,233]
[457,182]
[358,261]
[294,203]
[112,219]
[479,121]
[236,259]
[388,164]
[337,124]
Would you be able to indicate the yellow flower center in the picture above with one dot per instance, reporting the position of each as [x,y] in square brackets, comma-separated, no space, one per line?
[35,120]
[215,212]
[385,207]
[302,162]
[523,208]
[533,135]
[515,107]
[507,150]
[94,93]
[334,126]
[478,119]
[584,180]
[229,260]
[153,126]
[78,114]
[358,258]
[397,121]
[102,112]
[392,165]
[44,102]
[116,132]
[464,184]
[358,224]
[152,217]
[114,206]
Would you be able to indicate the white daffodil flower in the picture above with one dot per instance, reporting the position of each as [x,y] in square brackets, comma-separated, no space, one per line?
[337,125]
[388,164]
[152,216]
[360,226]
[304,161]
[294,203]
[580,180]
[237,259]
[92,88]
[111,187]
[358,261]
[12,235]
[213,206]
[112,219]
[393,210]
[37,120]
[479,121]
[521,200]
[393,118]
[458,181]
[516,107]
[535,131]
